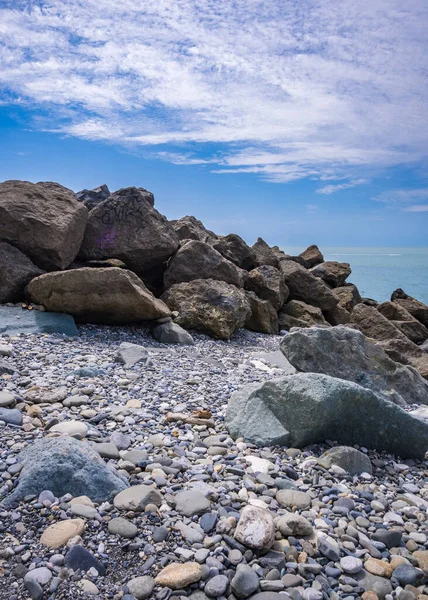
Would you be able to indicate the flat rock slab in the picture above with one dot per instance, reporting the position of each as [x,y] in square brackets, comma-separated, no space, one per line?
[14,321]
[191,502]
[276,359]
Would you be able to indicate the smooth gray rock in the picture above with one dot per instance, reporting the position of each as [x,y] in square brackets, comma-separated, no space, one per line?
[7,367]
[141,587]
[191,502]
[256,528]
[306,408]
[351,460]
[65,465]
[372,583]
[14,321]
[347,354]
[216,586]
[245,581]
[12,416]
[171,333]
[123,528]
[130,354]
[137,497]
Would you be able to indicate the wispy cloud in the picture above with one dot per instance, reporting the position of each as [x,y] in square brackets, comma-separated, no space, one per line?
[331,189]
[285,89]
[407,200]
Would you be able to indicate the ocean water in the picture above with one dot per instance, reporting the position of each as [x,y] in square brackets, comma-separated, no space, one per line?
[377,272]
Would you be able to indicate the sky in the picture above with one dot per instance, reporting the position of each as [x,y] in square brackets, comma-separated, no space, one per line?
[301,121]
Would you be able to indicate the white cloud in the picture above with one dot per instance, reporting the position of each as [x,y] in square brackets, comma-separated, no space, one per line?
[331,189]
[417,208]
[286,89]
[408,200]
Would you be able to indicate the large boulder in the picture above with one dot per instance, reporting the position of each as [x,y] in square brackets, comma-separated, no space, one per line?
[197,260]
[16,270]
[111,296]
[236,250]
[397,345]
[65,466]
[347,354]
[210,306]
[332,272]
[404,321]
[312,255]
[299,314]
[307,408]
[348,296]
[14,321]
[44,220]
[268,283]
[337,315]
[190,228]
[263,317]
[417,309]
[304,286]
[91,198]
[264,255]
[127,227]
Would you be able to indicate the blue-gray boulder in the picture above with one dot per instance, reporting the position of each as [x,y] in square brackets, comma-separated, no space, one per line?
[65,466]
[307,408]
[14,321]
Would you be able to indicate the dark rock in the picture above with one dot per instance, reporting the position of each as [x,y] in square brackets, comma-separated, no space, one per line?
[65,465]
[299,314]
[417,309]
[264,255]
[348,296]
[332,272]
[312,255]
[263,316]
[245,581]
[304,286]
[91,198]
[307,408]
[44,220]
[127,227]
[190,228]
[389,537]
[213,307]
[16,270]
[171,333]
[268,283]
[196,260]
[233,248]
[80,559]
[408,575]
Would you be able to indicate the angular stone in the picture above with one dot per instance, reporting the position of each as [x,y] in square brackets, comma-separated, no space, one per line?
[304,286]
[91,198]
[196,260]
[14,321]
[264,254]
[191,502]
[348,296]
[58,534]
[299,314]
[371,583]
[233,248]
[263,316]
[245,581]
[129,354]
[112,296]
[312,255]
[347,354]
[16,271]
[290,498]
[255,528]
[80,559]
[190,228]
[178,576]
[268,283]
[332,272]
[213,307]
[137,497]
[171,333]
[44,220]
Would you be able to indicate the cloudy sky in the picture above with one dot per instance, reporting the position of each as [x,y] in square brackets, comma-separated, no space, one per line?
[298,120]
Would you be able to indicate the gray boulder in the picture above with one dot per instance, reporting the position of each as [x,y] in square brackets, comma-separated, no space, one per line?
[307,408]
[304,286]
[44,220]
[268,283]
[91,198]
[16,270]
[263,316]
[197,260]
[346,353]
[312,255]
[171,333]
[190,228]
[65,466]
[14,321]
[127,227]
[332,272]
[264,254]
[209,306]
[236,250]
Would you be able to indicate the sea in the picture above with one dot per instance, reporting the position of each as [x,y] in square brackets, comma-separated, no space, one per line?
[377,272]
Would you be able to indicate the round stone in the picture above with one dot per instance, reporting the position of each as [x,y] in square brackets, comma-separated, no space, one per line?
[216,586]
[123,528]
[70,428]
[141,587]
[351,564]
[177,576]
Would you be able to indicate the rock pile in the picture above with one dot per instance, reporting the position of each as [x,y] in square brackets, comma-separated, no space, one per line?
[147,266]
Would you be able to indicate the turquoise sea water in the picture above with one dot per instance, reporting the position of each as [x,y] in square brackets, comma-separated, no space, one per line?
[379,271]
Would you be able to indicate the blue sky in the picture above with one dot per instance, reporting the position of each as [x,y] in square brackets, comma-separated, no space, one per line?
[302,121]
